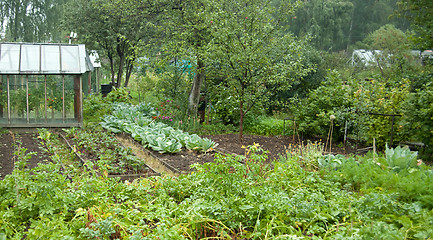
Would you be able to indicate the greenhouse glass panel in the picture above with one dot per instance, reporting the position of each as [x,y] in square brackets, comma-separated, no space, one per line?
[55,98]
[28,55]
[70,61]
[9,58]
[50,60]
[18,99]
[69,99]
[36,95]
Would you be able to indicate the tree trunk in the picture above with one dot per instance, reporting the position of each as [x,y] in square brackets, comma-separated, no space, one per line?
[113,74]
[120,53]
[129,66]
[194,95]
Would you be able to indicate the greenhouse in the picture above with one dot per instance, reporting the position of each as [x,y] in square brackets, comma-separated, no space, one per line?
[41,85]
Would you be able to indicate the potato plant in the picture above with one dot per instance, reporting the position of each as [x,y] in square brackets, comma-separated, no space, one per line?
[235,197]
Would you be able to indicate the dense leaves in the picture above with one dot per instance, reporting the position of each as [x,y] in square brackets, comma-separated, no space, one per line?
[235,197]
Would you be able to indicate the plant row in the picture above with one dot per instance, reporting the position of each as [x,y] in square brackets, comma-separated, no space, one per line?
[137,121]
[104,151]
[225,199]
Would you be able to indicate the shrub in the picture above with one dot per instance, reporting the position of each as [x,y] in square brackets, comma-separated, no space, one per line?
[264,125]
[332,97]
[418,118]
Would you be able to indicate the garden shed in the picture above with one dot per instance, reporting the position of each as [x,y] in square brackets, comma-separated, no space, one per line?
[41,85]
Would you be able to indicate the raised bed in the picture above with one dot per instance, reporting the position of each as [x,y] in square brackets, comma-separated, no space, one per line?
[85,155]
[176,163]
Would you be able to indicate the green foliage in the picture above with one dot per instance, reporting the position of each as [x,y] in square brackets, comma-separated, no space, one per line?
[418,117]
[388,38]
[397,172]
[233,197]
[94,108]
[400,158]
[328,22]
[119,95]
[104,151]
[419,13]
[266,126]
[308,155]
[31,21]
[199,144]
[158,136]
[332,97]
[252,56]
[352,102]
[119,30]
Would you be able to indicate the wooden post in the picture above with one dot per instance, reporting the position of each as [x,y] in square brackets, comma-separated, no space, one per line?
[77,98]
[89,83]
[1,91]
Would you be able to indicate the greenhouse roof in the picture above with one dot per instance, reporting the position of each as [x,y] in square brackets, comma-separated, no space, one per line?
[34,58]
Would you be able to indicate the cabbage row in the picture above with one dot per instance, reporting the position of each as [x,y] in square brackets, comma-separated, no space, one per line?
[137,121]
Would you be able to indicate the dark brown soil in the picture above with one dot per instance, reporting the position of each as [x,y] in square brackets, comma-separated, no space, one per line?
[8,145]
[84,155]
[230,143]
[180,162]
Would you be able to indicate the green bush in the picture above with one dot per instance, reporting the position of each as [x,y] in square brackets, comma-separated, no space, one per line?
[95,106]
[265,125]
[418,118]
[398,171]
[352,102]
[332,97]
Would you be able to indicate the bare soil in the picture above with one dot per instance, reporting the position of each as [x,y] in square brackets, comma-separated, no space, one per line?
[178,162]
[8,146]
[231,144]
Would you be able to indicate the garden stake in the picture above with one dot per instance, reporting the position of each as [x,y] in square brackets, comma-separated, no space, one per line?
[329,138]
[345,136]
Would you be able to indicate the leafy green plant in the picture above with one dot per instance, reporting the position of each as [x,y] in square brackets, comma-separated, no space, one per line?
[108,154]
[199,144]
[264,125]
[307,154]
[156,135]
[164,145]
[417,120]
[331,161]
[400,158]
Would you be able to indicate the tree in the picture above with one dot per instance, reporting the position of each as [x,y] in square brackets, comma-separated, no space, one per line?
[327,21]
[186,36]
[420,14]
[250,52]
[31,20]
[394,45]
[116,28]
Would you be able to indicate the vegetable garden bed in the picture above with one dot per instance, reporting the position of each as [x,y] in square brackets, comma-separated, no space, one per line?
[9,143]
[175,163]
[102,152]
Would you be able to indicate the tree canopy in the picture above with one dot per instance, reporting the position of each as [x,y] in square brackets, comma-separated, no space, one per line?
[251,53]
[420,14]
[117,28]
[31,20]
